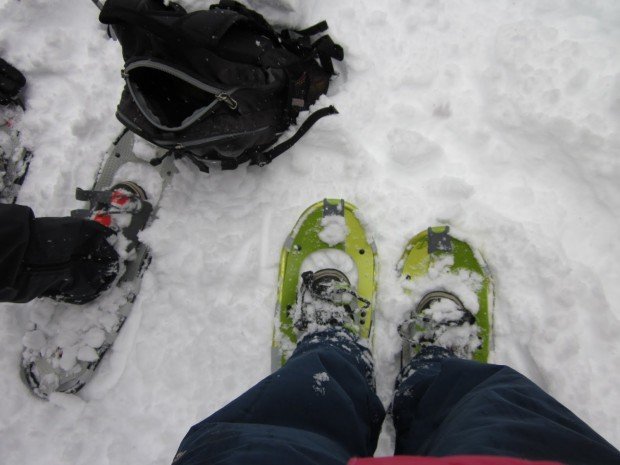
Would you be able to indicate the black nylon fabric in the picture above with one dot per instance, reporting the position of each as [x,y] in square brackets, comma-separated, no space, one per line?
[227,47]
[68,259]
[11,82]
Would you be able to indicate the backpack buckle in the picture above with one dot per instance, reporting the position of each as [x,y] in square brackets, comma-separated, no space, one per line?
[261,159]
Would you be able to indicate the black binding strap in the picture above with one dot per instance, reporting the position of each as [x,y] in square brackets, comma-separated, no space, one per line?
[267,157]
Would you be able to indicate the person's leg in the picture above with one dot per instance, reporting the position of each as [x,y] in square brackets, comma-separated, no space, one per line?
[448,406]
[319,408]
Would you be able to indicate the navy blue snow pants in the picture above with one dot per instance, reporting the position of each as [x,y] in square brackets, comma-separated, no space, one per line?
[321,409]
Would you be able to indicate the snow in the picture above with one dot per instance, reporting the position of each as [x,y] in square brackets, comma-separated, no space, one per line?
[463,284]
[433,323]
[499,118]
[319,382]
[331,258]
[334,230]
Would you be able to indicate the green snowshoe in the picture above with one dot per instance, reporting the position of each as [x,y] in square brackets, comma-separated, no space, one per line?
[329,259]
[453,294]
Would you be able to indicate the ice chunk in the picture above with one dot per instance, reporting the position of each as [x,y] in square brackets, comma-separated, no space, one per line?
[68,358]
[94,337]
[87,354]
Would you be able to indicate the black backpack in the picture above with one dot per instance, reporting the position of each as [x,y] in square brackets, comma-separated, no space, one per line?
[218,84]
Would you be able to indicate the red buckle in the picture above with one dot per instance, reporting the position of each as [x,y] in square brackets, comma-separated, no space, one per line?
[119,198]
[103,219]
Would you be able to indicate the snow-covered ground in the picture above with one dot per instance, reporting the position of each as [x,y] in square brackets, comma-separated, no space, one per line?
[497,117]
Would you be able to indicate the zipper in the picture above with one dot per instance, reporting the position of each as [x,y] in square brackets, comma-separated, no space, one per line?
[199,142]
[221,95]
[189,144]
[228,100]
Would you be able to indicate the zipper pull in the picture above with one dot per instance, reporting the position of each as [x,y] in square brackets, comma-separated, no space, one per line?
[228,100]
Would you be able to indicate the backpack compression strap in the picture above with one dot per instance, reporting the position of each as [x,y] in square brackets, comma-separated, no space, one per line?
[261,158]
[324,48]
[264,158]
[259,21]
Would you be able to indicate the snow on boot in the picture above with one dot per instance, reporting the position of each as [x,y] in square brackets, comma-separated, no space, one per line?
[326,299]
[440,320]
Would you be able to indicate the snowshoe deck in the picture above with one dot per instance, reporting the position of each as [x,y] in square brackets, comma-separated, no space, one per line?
[311,234]
[426,249]
[48,369]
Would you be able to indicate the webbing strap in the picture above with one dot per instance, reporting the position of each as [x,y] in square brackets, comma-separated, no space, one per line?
[312,30]
[326,49]
[202,166]
[267,157]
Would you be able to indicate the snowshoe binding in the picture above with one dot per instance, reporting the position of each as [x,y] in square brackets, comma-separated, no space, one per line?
[67,342]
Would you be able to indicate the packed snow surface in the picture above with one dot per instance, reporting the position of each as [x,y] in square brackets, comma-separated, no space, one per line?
[334,230]
[497,117]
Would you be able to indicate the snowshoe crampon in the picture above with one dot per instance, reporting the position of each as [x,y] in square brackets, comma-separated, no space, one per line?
[435,264]
[328,235]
